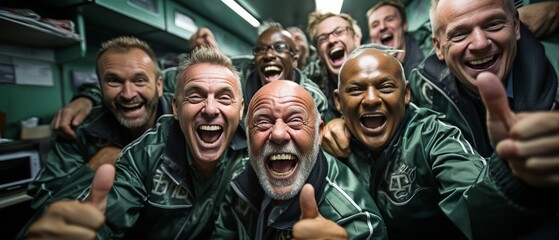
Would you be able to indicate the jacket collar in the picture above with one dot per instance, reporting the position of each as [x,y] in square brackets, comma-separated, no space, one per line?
[413,56]
[247,187]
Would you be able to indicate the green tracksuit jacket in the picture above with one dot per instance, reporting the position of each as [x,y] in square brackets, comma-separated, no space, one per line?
[429,183]
[340,197]
[158,193]
[100,129]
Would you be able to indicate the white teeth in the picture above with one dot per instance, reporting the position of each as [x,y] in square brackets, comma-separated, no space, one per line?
[336,49]
[385,36]
[282,156]
[210,127]
[131,105]
[481,61]
[373,115]
[272,68]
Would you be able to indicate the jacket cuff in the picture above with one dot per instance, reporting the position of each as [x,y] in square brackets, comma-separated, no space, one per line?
[543,201]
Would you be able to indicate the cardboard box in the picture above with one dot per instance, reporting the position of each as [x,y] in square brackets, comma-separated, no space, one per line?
[41,131]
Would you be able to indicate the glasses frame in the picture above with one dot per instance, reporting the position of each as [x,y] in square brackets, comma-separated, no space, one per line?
[262,50]
[337,32]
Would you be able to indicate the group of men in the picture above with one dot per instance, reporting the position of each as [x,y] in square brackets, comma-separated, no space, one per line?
[404,171]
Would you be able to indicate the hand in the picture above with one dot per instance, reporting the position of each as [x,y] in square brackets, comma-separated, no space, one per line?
[336,138]
[71,116]
[106,155]
[203,38]
[528,141]
[541,18]
[312,225]
[74,219]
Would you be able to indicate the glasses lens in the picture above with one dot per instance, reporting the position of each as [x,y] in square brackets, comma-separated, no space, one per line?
[280,47]
[259,50]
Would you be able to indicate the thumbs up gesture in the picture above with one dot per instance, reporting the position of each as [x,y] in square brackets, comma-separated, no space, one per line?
[312,225]
[74,219]
[528,141]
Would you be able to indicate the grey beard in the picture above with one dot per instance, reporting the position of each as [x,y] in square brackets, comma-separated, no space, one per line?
[306,164]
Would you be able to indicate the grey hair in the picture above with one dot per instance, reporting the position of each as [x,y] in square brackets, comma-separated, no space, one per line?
[209,56]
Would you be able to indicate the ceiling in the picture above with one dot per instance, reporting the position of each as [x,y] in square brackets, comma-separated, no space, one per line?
[286,12]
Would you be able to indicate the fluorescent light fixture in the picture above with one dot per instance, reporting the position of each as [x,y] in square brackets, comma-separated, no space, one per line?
[242,12]
[334,6]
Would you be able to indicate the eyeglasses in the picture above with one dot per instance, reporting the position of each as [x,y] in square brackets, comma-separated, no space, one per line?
[277,47]
[338,32]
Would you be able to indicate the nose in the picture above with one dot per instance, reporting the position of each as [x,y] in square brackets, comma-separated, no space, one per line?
[211,109]
[279,133]
[371,97]
[128,91]
[382,26]
[270,52]
[479,40]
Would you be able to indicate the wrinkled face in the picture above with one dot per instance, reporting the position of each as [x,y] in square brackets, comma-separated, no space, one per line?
[283,132]
[275,55]
[335,39]
[130,87]
[476,36]
[372,97]
[208,109]
[302,48]
[387,28]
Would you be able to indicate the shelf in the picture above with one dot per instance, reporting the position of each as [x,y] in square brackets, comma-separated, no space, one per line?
[23,33]
[14,198]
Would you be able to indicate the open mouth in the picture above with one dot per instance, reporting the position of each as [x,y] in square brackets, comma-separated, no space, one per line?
[386,39]
[282,164]
[481,63]
[130,107]
[337,55]
[209,133]
[272,73]
[373,121]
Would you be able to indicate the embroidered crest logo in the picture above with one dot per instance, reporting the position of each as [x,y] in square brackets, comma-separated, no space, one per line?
[400,183]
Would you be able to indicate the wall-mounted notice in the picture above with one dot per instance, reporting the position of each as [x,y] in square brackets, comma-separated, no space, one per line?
[30,72]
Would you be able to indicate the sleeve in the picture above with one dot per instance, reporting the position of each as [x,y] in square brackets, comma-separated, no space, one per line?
[169,79]
[473,197]
[126,199]
[64,159]
[348,203]
[92,91]
[317,95]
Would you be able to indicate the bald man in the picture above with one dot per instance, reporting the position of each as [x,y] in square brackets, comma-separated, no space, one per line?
[284,131]
[427,180]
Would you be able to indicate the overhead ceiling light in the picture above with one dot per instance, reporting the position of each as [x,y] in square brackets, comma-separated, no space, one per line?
[334,6]
[242,12]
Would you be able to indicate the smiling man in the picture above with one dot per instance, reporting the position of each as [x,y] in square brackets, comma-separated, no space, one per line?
[170,182]
[131,87]
[284,130]
[334,36]
[485,36]
[426,178]
[275,57]
[388,25]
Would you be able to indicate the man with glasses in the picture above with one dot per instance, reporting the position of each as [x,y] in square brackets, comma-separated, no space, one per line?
[334,36]
[275,57]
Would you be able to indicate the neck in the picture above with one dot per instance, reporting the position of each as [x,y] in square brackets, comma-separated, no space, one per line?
[205,169]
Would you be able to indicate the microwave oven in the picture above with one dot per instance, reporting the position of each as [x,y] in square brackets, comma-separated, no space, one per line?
[18,168]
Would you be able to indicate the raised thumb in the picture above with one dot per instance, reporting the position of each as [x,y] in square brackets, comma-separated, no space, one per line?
[307,201]
[101,185]
[499,116]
